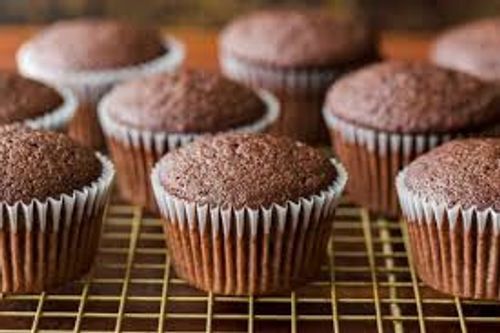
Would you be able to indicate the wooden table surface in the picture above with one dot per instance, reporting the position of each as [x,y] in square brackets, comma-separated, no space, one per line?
[202,49]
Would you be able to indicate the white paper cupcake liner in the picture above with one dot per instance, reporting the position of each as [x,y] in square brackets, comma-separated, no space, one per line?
[248,250]
[374,158]
[46,243]
[58,119]
[136,151]
[385,143]
[456,249]
[308,80]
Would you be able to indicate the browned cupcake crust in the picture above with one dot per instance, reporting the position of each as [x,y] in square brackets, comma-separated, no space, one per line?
[190,101]
[464,172]
[413,97]
[38,165]
[22,98]
[95,44]
[472,48]
[245,170]
[297,38]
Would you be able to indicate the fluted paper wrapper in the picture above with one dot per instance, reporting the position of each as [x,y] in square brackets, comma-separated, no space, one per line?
[90,86]
[136,151]
[248,251]
[58,119]
[45,244]
[373,159]
[301,93]
[456,249]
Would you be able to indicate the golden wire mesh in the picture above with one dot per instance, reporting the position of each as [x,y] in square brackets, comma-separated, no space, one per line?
[367,284]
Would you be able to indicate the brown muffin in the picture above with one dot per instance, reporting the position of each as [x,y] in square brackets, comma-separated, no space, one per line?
[472,48]
[29,102]
[24,99]
[190,101]
[41,172]
[168,110]
[462,172]
[243,197]
[66,46]
[383,116]
[296,38]
[305,52]
[89,56]
[245,171]
[451,202]
[39,165]
[413,97]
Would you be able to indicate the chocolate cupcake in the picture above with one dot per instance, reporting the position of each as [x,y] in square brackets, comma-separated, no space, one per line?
[450,199]
[53,194]
[384,116]
[146,118]
[472,48]
[89,56]
[35,104]
[296,54]
[247,214]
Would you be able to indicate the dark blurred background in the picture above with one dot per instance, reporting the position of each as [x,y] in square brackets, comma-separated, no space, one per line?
[394,14]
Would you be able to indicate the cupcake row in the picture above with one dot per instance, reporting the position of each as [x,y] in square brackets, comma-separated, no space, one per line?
[251,214]
[298,61]
[90,56]
[244,214]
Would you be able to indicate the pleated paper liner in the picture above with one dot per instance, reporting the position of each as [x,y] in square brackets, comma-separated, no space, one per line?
[456,249]
[248,251]
[301,93]
[374,158]
[135,152]
[45,244]
[58,119]
[90,86]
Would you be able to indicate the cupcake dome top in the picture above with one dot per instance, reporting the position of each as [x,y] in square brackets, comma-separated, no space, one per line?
[413,97]
[297,38]
[38,165]
[190,101]
[245,170]
[94,44]
[22,98]
[462,172]
[472,48]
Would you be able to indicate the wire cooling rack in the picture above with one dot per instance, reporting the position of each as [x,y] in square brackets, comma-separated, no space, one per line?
[367,284]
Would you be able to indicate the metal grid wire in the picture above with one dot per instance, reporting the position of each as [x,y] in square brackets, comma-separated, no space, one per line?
[367,284]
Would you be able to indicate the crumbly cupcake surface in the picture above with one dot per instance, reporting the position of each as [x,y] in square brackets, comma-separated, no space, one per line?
[464,172]
[298,38]
[22,98]
[472,48]
[94,44]
[190,101]
[39,165]
[245,170]
[413,97]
